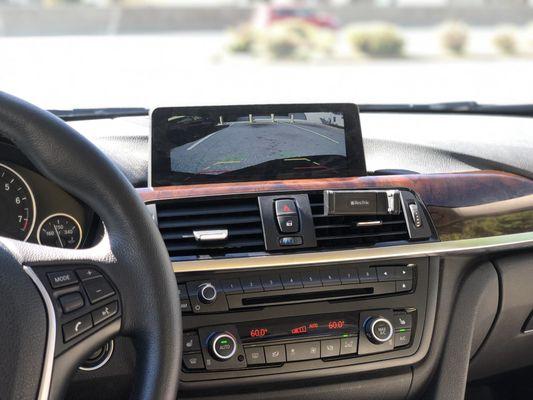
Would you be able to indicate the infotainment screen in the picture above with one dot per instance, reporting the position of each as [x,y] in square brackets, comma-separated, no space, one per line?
[192,145]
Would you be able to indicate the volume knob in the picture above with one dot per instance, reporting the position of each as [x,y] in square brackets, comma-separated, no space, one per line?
[207,293]
[378,330]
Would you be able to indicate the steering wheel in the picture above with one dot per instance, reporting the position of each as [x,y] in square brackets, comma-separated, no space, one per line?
[41,344]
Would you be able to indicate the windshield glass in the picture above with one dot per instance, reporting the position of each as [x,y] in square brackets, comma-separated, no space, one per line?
[102,53]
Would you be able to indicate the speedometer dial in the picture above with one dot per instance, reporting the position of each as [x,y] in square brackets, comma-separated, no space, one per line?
[17,205]
[60,230]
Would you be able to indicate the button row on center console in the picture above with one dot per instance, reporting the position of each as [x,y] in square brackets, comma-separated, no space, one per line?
[301,351]
[317,277]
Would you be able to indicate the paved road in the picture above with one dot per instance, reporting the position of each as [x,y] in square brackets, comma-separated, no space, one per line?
[241,145]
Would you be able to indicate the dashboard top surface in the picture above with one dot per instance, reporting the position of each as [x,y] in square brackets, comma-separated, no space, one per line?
[413,142]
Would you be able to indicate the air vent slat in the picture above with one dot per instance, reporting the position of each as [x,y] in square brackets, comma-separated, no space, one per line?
[368,235]
[172,235]
[214,245]
[215,221]
[240,217]
[318,226]
[193,211]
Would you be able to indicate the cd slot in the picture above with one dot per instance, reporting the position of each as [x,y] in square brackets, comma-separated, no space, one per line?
[280,297]
[252,301]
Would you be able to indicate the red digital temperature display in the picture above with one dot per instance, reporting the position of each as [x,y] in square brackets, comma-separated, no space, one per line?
[336,324]
[258,332]
[341,324]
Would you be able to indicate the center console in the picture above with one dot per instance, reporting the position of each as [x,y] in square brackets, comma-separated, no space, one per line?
[271,322]
[304,318]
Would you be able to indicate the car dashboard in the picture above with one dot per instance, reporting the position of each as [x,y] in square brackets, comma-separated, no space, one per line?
[393,303]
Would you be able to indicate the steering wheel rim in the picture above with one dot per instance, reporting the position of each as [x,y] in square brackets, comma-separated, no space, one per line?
[132,255]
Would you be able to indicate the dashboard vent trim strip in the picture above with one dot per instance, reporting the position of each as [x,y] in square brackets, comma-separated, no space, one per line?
[421,249]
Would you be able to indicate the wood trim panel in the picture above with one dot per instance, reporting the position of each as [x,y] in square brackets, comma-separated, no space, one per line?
[462,205]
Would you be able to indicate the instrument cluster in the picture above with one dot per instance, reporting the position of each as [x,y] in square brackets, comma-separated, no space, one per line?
[34,209]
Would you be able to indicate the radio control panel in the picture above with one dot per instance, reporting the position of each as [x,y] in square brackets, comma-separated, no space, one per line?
[295,285]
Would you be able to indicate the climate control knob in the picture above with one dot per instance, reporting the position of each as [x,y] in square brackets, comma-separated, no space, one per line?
[222,346]
[378,330]
[207,293]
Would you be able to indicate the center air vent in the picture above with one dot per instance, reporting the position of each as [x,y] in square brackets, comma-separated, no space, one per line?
[222,226]
[336,231]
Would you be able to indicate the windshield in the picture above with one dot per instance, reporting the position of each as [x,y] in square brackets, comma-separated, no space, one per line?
[66,54]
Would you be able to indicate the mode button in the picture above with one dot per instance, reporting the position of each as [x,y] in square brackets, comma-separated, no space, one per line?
[61,279]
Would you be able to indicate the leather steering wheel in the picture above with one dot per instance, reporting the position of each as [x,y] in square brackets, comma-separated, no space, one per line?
[35,360]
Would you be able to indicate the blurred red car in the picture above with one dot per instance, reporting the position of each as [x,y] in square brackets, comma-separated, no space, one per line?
[266,15]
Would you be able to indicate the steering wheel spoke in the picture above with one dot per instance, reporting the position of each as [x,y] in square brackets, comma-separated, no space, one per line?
[83,305]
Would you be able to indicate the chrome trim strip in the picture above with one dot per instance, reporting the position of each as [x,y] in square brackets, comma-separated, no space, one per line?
[403,251]
[46,377]
[210,235]
[369,223]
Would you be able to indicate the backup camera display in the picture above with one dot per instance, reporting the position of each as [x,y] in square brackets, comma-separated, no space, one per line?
[243,143]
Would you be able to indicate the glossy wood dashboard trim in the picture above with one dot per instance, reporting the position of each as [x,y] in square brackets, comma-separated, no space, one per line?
[490,206]
[444,190]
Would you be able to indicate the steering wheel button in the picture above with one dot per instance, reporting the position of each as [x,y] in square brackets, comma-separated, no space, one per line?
[98,289]
[87,273]
[77,327]
[71,302]
[105,312]
[61,279]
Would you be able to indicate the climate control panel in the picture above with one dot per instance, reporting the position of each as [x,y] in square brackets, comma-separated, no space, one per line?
[287,340]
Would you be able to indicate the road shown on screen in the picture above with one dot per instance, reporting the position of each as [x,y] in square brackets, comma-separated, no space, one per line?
[242,144]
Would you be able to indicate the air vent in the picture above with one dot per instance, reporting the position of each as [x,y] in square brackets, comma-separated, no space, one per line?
[343,232]
[179,220]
